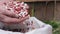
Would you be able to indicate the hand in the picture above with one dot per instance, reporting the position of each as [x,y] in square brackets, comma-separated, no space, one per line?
[10,17]
[7,16]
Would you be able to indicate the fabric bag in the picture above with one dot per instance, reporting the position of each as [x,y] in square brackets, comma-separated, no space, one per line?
[40,28]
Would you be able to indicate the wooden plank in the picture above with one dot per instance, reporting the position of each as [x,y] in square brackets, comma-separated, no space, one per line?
[36,0]
[57,12]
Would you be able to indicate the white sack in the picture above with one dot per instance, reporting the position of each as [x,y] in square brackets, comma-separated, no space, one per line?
[44,28]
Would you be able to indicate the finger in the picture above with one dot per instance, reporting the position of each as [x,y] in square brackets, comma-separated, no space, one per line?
[2,17]
[6,19]
[22,19]
[15,20]
[11,20]
[9,13]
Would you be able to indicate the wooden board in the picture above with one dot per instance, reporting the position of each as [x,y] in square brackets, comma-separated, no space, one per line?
[36,0]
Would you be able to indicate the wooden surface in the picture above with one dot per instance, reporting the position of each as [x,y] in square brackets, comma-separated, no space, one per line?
[36,0]
[42,11]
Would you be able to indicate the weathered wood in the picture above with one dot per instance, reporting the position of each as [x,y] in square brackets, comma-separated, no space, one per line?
[43,11]
[57,12]
[36,0]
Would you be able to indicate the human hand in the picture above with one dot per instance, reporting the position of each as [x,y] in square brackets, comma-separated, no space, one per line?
[10,17]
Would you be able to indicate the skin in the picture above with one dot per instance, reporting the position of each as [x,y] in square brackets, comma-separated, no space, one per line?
[8,17]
